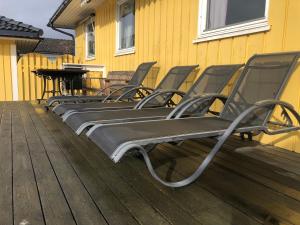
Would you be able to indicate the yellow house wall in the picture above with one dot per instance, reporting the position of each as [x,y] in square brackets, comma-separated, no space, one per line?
[5,70]
[165,30]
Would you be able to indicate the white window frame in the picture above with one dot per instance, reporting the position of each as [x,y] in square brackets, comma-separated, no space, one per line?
[248,27]
[125,51]
[87,55]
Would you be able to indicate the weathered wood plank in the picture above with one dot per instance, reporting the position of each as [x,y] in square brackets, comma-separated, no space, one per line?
[257,189]
[55,206]
[250,196]
[26,202]
[167,203]
[110,206]
[273,177]
[82,205]
[264,153]
[136,205]
[280,153]
[6,206]
[212,210]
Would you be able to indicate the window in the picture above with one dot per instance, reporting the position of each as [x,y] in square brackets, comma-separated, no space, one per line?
[227,18]
[125,26]
[90,40]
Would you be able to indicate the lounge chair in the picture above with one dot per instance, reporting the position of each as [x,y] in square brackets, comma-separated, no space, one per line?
[248,110]
[172,81]
[211,83]
[116,90]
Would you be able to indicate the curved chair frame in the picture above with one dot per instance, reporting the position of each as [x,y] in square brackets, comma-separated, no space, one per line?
[148,99]
[138,90]
[221,140]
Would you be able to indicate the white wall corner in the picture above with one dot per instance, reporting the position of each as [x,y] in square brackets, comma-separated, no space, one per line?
[14,72]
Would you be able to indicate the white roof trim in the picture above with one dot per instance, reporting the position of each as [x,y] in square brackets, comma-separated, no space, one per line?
[74,13]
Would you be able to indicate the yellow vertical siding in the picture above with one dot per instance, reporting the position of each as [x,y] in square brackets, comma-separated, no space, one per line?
[165,30]
[5,70]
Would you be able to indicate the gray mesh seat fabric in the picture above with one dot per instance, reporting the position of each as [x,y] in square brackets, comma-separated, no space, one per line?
[113,136]
[173,80]
[248,109]
[137,79]
[91,106]
[212,81]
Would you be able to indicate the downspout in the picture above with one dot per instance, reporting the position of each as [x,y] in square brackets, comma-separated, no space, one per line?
[64,5]
[37,44]
[65,33]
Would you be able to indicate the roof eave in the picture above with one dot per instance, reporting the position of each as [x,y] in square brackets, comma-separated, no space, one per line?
[58,12]
[71,13]
[18,35]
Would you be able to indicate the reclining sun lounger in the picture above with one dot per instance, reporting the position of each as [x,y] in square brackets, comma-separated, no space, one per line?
[247,110]
[172,81]
[211,83]
[116,90]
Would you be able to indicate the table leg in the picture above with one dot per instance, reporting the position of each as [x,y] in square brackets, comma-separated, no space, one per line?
[44,89]
[54,88]
[59,86]
[72,86]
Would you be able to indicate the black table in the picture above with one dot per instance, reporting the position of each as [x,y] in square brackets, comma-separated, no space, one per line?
[58,75]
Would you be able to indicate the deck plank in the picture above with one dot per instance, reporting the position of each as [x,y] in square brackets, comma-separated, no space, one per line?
[84,210]
[106,200]
[26,202]
[211,211]
[165,203]
[136,205]
[278,179]
[281,158]
[251,197]
[55,206]
[6,203]
[51,176]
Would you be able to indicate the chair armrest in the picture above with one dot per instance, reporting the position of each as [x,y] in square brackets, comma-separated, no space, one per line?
[157,93]
[114,87]
[123,87]
[202,99]
[135,89]
[272,102]
[268,103]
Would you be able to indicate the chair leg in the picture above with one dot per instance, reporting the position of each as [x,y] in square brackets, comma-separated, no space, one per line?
[148,148]
[242,136]
[221,140]
[189,179]
[250,136]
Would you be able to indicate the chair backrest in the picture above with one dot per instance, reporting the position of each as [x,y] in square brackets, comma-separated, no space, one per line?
[140,73]
[212,80]
[263,77]
[173,80]
[175,77]
[137,79]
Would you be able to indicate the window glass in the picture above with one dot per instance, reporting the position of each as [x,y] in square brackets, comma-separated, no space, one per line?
[90,39]
[222,13]
[126,25]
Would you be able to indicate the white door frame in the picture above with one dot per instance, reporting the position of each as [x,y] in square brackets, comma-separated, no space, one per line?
[14,72]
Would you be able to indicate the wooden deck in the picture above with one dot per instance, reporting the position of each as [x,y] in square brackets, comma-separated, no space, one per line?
[50,176]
